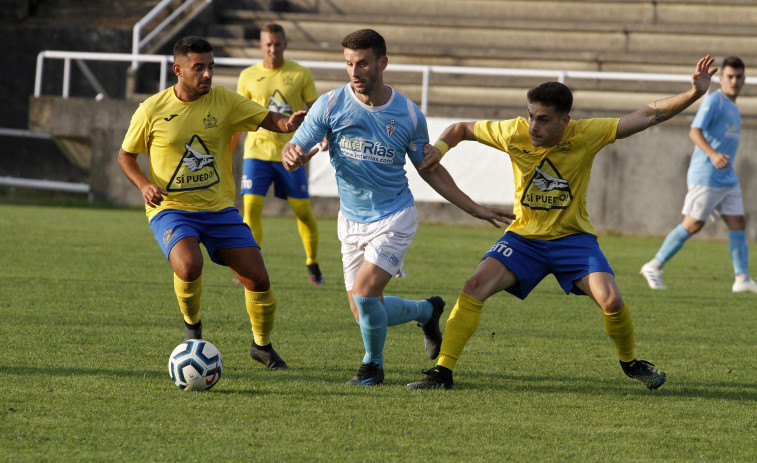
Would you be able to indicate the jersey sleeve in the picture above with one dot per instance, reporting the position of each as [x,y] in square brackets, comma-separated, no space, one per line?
[315,125]
[137,138]
[309,93]
[420,134]
[601,132]
[496,134]
[242,84]
[704,113]
[245,115]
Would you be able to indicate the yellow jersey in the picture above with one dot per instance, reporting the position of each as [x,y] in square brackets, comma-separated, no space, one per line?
[551,182]
[189,146]
[285,89]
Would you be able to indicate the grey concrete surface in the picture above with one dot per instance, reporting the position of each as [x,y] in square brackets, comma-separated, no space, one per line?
[637,184]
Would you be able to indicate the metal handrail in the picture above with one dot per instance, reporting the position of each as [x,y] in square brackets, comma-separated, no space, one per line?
[424,70]
[138,44]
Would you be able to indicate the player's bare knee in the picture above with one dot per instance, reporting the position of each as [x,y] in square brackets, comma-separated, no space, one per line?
[475,287]
[257,282]
[188,270]
[613,303]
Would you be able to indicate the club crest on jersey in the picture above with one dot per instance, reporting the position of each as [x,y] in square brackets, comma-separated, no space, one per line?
[564,146]
[390,128]
[547,189]
[210,122]
[196,169]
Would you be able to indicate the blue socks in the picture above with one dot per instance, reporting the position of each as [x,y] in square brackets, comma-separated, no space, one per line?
[399,311]
[375,317]
[673,242]
[373,323]
[739,251]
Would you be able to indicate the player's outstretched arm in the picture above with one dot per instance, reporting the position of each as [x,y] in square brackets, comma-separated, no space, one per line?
[662,110]
[152,194]
[277,122]
[441,181]
[451,136]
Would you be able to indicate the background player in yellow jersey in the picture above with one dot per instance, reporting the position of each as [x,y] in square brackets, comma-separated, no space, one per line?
[282,86]
[186,131]
[552,158]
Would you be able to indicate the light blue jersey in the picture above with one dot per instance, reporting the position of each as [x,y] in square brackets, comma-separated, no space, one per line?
[719,119]
[367,147]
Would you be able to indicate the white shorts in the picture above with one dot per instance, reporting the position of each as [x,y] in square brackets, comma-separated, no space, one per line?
[383,243]
[701,201]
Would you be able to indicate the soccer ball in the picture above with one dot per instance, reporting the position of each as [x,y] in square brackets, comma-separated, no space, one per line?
[195,365]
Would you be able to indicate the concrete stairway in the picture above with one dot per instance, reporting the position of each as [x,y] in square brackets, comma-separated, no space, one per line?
[590,35]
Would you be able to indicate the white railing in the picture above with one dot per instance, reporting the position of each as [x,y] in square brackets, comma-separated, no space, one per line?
[37,184]
[138,43]
[424,70]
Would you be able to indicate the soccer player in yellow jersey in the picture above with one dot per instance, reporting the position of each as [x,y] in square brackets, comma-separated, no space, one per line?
[283,86]
[552,157]
[186,131]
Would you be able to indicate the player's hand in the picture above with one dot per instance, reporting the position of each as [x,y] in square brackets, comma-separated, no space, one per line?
[720,160]
[293,157]
[701,78]
[153,195]
[295,120]
[431,158]
[494,215]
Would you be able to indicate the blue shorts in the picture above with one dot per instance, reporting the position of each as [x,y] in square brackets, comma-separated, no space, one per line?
[257,176]
[569,258]
[215,229]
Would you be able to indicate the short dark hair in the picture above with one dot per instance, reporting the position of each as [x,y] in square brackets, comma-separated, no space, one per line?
[734,62]
[273,28]
[366,38]
[186,45]
[554,94]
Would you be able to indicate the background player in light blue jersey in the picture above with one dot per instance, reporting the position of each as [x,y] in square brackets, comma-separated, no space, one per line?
[370,128]
[713,185]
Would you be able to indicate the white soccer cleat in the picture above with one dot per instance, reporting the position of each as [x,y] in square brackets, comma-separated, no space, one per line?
[748,286]
[653,276]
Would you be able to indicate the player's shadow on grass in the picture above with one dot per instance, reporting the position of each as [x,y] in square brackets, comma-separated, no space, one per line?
[607,386]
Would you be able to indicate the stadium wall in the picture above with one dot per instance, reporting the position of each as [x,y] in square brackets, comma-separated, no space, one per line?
[637,186]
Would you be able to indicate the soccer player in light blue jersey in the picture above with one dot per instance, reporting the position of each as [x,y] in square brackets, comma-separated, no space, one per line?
[712,182]
[370,128]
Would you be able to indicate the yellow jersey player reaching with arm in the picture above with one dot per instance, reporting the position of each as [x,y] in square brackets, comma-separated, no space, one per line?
[552,157]
[186,131]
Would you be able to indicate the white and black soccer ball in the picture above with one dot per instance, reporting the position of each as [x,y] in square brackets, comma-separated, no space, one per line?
[195,365]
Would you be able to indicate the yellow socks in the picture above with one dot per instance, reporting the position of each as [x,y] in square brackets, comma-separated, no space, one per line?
[261,308]
[619,328]
[462,323]
[188,294]
[307,226]
[253,215]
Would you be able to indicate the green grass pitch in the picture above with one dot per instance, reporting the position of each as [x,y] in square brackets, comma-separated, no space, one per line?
[88,318]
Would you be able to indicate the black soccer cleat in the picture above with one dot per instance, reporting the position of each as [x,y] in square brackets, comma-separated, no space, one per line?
[438,377]
[645,372]
[315,275]
[268,357]
[369,374]
[192,331]
[431,328]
